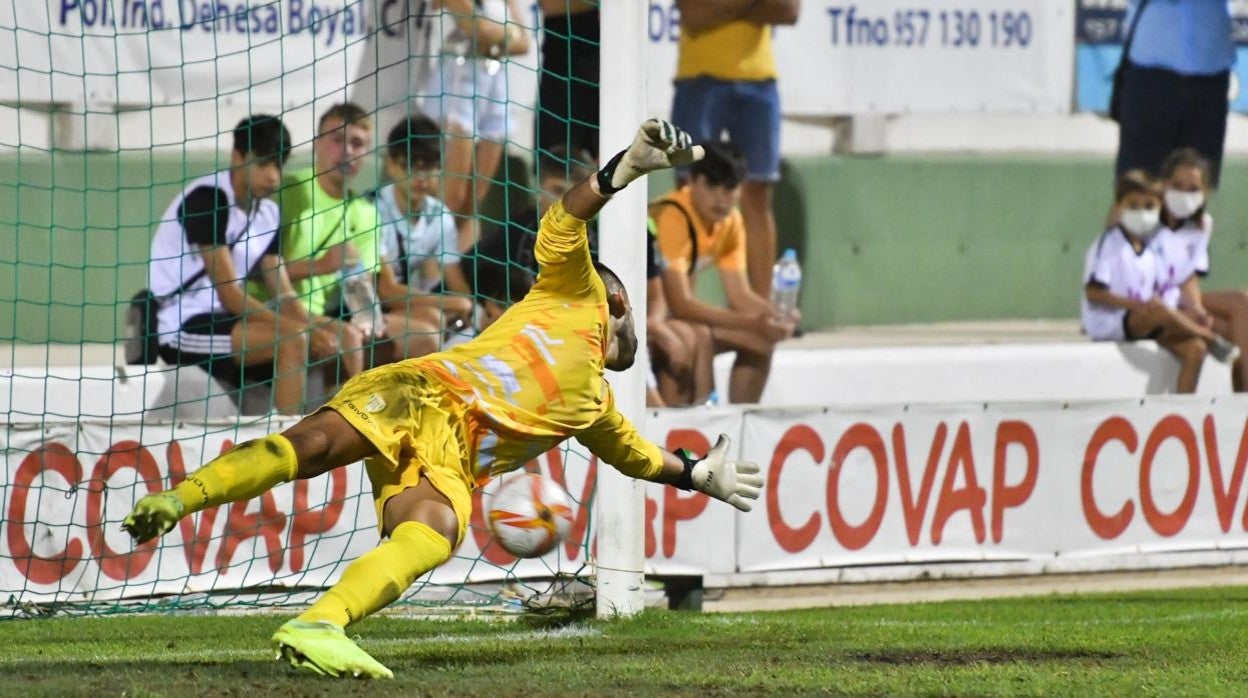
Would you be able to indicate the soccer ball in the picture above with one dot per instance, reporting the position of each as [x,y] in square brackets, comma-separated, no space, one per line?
[529,515]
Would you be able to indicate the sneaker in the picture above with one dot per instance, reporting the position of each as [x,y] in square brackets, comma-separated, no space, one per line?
[153,516]
[1223,351]
[323,648]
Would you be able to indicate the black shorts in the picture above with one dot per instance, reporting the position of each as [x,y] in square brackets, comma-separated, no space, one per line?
[225,367]
[1126,329]
[1163,110]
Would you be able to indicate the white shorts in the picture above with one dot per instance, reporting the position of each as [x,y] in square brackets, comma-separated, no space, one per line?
[469,94]
[1106,325]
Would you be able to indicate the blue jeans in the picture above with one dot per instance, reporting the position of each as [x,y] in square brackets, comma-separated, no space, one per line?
[748,111]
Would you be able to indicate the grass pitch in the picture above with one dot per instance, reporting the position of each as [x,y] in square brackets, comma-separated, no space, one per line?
[1190,642]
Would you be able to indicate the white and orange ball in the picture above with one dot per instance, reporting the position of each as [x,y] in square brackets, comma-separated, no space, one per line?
[529,515]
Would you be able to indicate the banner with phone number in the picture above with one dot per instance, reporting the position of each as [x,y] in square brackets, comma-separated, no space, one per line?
[1100,28]
[899,56]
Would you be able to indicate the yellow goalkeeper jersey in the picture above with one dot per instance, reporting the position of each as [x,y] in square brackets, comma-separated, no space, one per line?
[535,377]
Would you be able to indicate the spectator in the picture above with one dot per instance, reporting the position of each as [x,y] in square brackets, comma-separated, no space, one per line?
[418,241]
[1184,245]
[512,244]
[681,353]
[1121,300]
[324,224]
[218,232]
[567,88]
[1175,83]
[468,97]
[726,84]
[698,225]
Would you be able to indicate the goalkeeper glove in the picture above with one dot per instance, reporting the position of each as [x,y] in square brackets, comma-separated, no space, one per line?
[658,145]
[734,482]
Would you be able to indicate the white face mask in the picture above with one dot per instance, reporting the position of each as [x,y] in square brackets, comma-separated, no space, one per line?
[1140,221]
[1182,204]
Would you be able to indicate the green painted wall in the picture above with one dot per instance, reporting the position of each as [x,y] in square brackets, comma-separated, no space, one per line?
[882,240]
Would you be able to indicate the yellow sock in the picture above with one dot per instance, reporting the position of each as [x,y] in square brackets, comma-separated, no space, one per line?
[245,471]
[379,576]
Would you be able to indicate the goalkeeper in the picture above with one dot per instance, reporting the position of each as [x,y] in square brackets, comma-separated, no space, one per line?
[430,429]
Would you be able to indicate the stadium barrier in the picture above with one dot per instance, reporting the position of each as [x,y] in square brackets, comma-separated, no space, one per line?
[901,490]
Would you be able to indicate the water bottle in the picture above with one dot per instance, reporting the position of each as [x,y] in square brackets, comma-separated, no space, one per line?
[361,298]
[786,282]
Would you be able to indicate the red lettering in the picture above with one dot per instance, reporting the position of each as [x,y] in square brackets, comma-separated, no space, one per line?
[912,508]
[268,523]
[306,522]
[798,437]
[196,529]
[1225,496]
[53,458]
[580,522]
[971,498]
[1170,427]
[1005,496]
[124,454]
[676,507]
[858,436]
[1106,526]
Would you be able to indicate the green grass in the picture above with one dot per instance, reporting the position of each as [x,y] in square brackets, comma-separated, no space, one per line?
[1191,642]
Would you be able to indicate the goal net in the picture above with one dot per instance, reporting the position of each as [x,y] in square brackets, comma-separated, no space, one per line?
[109,110]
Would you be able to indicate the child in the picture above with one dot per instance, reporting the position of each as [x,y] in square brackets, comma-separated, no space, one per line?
[1185,175]
[1121,301]
[418,241]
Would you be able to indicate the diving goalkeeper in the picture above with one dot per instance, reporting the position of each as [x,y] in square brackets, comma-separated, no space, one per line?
[430,429]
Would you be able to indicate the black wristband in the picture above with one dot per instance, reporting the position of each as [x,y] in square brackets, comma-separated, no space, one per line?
[606,174]
[686,478]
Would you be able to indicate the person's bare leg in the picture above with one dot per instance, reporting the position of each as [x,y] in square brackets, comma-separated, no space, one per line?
[262,341]
[1230,312]
[760,234]
[751,367]
[703,363]
[412,334]
[457,179]
[1178,334]
[1191,355]
[489,157]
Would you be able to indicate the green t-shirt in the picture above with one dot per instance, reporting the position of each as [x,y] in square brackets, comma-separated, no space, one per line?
[313,222]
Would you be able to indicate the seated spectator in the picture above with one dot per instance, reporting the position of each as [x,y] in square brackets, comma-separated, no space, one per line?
[324,225]
[681,353]
[697,225]
[1185,174]
[218,232]
[1122,300]
[419,242]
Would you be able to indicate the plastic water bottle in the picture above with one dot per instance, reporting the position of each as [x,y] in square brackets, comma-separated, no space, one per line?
[361,298]
[786,282]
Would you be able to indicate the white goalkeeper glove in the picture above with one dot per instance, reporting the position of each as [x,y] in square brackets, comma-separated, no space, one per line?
[735,482]
[658,145]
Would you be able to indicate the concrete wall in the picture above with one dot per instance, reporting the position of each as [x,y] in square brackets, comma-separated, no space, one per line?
[900,238]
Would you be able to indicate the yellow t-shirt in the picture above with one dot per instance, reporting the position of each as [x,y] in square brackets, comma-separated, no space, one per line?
[535,377]
[722,244]
[737,50]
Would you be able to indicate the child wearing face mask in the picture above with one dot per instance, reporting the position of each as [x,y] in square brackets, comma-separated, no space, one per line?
[1185,244]
[1121,300]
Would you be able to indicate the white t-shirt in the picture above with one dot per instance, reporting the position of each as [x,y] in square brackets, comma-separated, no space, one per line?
[1174,264]
[1112,262]
[191,224]
[1196,239]
[407,242]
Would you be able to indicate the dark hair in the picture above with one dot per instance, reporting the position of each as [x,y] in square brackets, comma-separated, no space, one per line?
[609,278]
[1135,182]
[416,139]
[1182,158]
[558,161]
[348,113]
[723,166]
[263,136]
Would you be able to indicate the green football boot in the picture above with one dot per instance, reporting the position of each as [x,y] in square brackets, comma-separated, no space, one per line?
[324,648]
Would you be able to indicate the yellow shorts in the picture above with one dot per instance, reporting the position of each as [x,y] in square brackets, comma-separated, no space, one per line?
[418,429]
